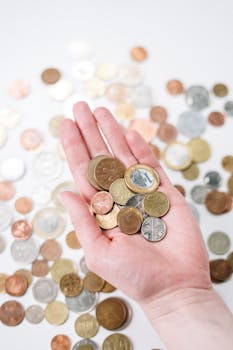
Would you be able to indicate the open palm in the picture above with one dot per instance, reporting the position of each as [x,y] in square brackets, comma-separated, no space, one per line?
[139,268]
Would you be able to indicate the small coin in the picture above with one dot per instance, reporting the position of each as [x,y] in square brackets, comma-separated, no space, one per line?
[120,192]
[220,270]
[216,118]
[34,314]
[51,250]
[102,202]
[197,97]
[230,184]
[111,313]
[175,87]
[218,202]
[48,223]
[3,278]
[83,70]
[60,342]
[21,229]
[116,92]
[12,168]
[23,205]
[86,326]
[45,290]
[106,71]
[158,114]
[12,313]
[64,186]
[220,90]
[141,178]
[19,89]
[108,221]
[227,163]
[108,170]
[181,189]
[191,173]
[177,155]
[129,220]
[25,252]
[219,242]
[212,179]
[153,229]
[40,268]
[145,127]
[156,204]
[94,88]
[3,136]
[7,190]
[26,273]
[85,344]
[16,285]
[136,201]
[55,124]
[117,341]
[83,265]
[62,267]
[228,107]
[71,285]
[141,96]
[50,75]
[61,90]
[200,149]
[32,140]
[84,302]
[155,150]
[93,283]
[167,132]
[72,240]
[47,166]
[56,313]
[108,288]
[138,53]
[125,111]
[130,74]
[9,117]
[198,193]
[90,171]
[191,124]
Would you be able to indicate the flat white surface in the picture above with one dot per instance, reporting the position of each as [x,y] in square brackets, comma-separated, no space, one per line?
[188,40]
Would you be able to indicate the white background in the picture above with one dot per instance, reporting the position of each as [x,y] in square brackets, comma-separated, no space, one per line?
[189,40]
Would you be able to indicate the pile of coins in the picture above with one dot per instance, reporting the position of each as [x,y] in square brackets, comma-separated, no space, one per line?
[130,201]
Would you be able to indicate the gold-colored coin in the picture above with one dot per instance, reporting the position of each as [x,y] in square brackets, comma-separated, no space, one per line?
[129,220]
[3,278]
[72,240]
[108,288]
[200,149]
[220,90]
[71,285]
[93,282]
[62,267]
[117,341]
[90,171]
[191,173]
[55,124]
[56,313]
[227,163]
[108,221]
[120,192]
[125,111]
[26,273]
[177,155]
[141,178]
[156,204]
[86,326]
[111,313]
[230,184]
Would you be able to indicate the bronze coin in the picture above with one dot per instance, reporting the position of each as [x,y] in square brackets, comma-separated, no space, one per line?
[111,313]
[155,150]
[72,240]
[180,189]
[108,288]
[107,171]
[21,229]
[220,90]
[16,285]
[71,285]
[218,202]
[129,220]
[167,132]
[138,53]
[50,75]
[40,268]
[220,270]
[51,250]
[158,114]
[227,163]
[93,282]
[12,313]
[7,190]
[60,342]
[23,205]
[216,118]
[175,87]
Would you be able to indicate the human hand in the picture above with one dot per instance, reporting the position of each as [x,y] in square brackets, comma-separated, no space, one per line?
[141,269]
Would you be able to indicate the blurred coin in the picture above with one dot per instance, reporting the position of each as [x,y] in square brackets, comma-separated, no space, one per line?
[228,107]
[19,89]
[219,242]
[3,136]
[47,166]
[16,285]
[21,229]
[177,155]
[191,124]
[212,179]
[50,75]
[26,273]
[54,125]
[6,216]
[117,341]
[175,87]
[83,265]
[45,290]
[138,53]
[48,223]
[218,202]
[120,192]
[137,202]
[220,90]
[12,313]
[9,117]
[80,49]
[116,92]
[153,229]
[106,71]
[145,127]
[227,163]
[125,111]
[61,90]
[62,267]
[129,220]
[41,194]
[7,190]
[108,221]
[31,140]
[220,270]
[198,193]
[130,74]
[155,150]
[200,149]
[111,313]
[64,186]
[92,282]
[94,88]
[84,302]
[194,211]
[23,205]
[85,344]
[86,326]
[51,250]
[60,342]
[108,170]
[216,118]
[12,168]
[25,252]
[197,97]
[102,202]
[2,245]
[156,204]
[191,173]
[56,313]
[3,278]
[34,314]
[230,184]
[158,114]
[167,132]
[71,285]
[83,70]
[40,267]
[141,96]
[141,178]
[72,240]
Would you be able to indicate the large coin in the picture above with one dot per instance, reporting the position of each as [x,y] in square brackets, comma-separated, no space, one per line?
[191,173]
[220,270]
[90,170]
[218,202]
[129,220]
[86,326]
[107,170]
[153,229]
[219,243]
[85,344]
[141,178]
[12,313]
[120,192]
[137,202]
[34,314]
[117,341]
[108,221]
[48,223]
[84,302]
[111,313]
[200,149]
[71,285]
[25,252]
[156,204]
[191,124]
[45,290]
[56,312]
[197,97]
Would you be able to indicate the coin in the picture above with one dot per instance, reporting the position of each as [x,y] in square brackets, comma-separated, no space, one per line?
[83,70]
[108,170]
[23,205]
[84,302]
[55,124]
[47,166]
[218,202]
[40,268]
[93,283]
[16,285]
[108,221]
[220,90]
[106,71]
[220,270]
[228,108]
[21,229]
[191,124]
[3,136]
[19,89]
[153,229]
[12,168]
[85,344]
[41,194]
[212,179]
[125,111]
[25,252]
[230,184]
[62,267]
[60,342]
[51,250]
[156,204]
[7,190]
[138,53]
[200,149]
[56,313]
[141,96]
[9,117]
[130,74]
[177,155]
[197,97]
[64,186]
[72,240]
[219,242]
[216,118]
[86,326]
[94,88]
[12,313]
[31,140]
[3,278]
[167,132]
[158,114]
[48,223]
[26,273]
[108,288]
[61,90]
[117,341]
[45,290]
[101,202]
[120,192]
[155,150]
[136,202]
[83,265]
[199,192]
[34,314]
[111,313]
[129,220]
[90,171]
[191,173]
[175,87]
[181,189]
[71,285]
[50,75]
[116,92]
[227,163]
[141,178]
[145,127]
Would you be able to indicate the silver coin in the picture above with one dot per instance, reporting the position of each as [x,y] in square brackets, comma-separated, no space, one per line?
[219,243]
[142,178]
[12,168]
[2,245]
[153,229]
[6,216]
[25,252]
[84,302]
[213,179]
[136,201]
[197,97]
[34,314]
[141,96]
[48,223]
[47,165]
[228,108]
[198,193]
[194,211]
[191,124]
[83,265]
[91,343]
[45,290]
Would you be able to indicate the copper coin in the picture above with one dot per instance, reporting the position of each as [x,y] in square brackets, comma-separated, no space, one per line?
[71,285]
[31,139]
[155,150]
[220,90]
[16,285]
[138,53]
[40,268]
[158,114]
[12,313]
[175,87]
[111,313]
[102,202]
[93,282]
[218,202]
[60,342]
[51,250]
[220,270]
[7,190]
[227,163]
[129,220]
[180,189]
[107,171]
[23,205]
[21,229]
[216,118]
[72,240]
[167,132]
[50,75]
